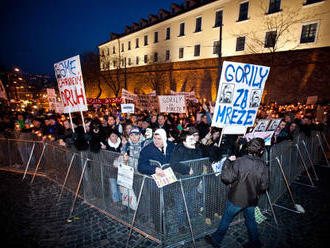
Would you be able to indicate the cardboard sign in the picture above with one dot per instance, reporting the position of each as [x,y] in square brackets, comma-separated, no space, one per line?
[172,104]
[127,108]
[240,90]
[71,85]
[147,102]
[125,176]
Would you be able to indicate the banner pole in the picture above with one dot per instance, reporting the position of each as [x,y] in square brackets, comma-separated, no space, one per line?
[83,120]
[71,122]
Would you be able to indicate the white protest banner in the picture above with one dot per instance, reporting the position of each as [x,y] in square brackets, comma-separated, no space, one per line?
[147,102]
[51,98]
[240,90]
[172,104]
[128,197]
[51,92]
[71,85]
[311,100]
[189,95]
[274,124]
[168,178]
[59,108]
[127,108]
[125,176]
[3,94]
[125,94]
[267,136]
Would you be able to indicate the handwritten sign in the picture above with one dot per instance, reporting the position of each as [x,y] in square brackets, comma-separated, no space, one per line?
[125,94]
[71,85]
[189,95]
[240,90]
[127,108]
[172,104]
[262,125]
[147,102]
[104,100]
[125,176]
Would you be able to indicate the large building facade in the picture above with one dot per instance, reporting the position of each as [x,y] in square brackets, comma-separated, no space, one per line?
[179,48]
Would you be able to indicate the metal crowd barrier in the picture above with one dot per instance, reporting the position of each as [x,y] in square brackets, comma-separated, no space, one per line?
[177,213]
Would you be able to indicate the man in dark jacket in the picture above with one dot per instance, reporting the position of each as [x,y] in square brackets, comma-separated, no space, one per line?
[247,178]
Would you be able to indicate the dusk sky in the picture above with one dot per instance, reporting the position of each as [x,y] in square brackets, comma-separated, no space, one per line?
[36,34]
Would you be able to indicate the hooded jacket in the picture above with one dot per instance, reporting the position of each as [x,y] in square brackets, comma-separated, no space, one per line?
[247,177]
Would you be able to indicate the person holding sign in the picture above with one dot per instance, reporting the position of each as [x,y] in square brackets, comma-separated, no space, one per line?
[247,177]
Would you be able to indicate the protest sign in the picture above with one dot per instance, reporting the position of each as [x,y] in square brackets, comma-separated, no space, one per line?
[274,124]
[127,108]
[128,197]
[125,176]
[168,178]
[59,107]
[3,94]
[71,85]
[110,100]
[51,99]
[217,166]
[266,136]
[172,104]
[189,95]
[127,95]
[311,100]
[261,126]
[147,102]
[240,90]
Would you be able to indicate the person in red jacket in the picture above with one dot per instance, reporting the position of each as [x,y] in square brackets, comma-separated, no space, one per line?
[247,177]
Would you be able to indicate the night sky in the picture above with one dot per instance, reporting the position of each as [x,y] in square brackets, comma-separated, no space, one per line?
[36,34]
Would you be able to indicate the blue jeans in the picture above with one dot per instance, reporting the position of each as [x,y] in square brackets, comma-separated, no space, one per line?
[230,211]
[115,193]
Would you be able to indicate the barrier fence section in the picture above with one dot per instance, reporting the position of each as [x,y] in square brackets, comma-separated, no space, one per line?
[172,215]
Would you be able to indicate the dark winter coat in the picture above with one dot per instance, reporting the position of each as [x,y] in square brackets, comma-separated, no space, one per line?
[151,152]
[248,177]
[182,153]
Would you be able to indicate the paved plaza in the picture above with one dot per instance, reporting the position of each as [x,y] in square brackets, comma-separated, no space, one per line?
[32,217]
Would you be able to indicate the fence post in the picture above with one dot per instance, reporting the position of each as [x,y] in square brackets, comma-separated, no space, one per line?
[29,161]
[137,207]
[310,160]
[304,165]
[78,187]
[323,151]
[37,167]
[298,207]
[187,212]
[326,142]
[66,176]
[9,153]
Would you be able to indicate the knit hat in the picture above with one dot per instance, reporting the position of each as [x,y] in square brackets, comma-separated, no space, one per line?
[134,130]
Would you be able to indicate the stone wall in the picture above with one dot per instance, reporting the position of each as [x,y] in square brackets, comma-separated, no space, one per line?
[294,76]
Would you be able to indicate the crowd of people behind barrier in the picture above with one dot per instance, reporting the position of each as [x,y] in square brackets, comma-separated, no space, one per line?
[148,135]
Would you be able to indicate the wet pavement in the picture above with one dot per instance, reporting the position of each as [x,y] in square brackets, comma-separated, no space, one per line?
[32,217]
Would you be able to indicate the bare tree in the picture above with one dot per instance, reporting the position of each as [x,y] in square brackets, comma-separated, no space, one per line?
[91,71]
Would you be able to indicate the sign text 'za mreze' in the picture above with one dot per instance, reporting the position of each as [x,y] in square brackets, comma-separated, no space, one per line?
[71,85]
[240,90]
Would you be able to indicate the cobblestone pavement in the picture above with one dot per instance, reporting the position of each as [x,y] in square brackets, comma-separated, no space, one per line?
[31,217]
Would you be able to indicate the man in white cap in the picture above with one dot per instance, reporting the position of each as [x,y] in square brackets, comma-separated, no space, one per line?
[159,150]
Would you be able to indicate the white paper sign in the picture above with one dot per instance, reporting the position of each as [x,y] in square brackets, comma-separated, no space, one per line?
[262,125]
[172,104]
[71,85]
[3,94]
[240,90]
[168,178]
[127,108]
[125,176]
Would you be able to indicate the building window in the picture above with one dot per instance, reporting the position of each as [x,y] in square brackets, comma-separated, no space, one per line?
[156,37]
[155,57]
[240,43]
[216,47]
[115,63]
[197,50]
[198,24]
[122,47]
[270,40]
[137,43]
[168,33]
[114,50]
[146,59]
[243,11]
[129,61]
[137,60]
[308,33]
[181,51]
[218,18]
[312,1]
[146,40]
[181,29]
[274,6]
[129,46]
[108,49]
[167,56]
